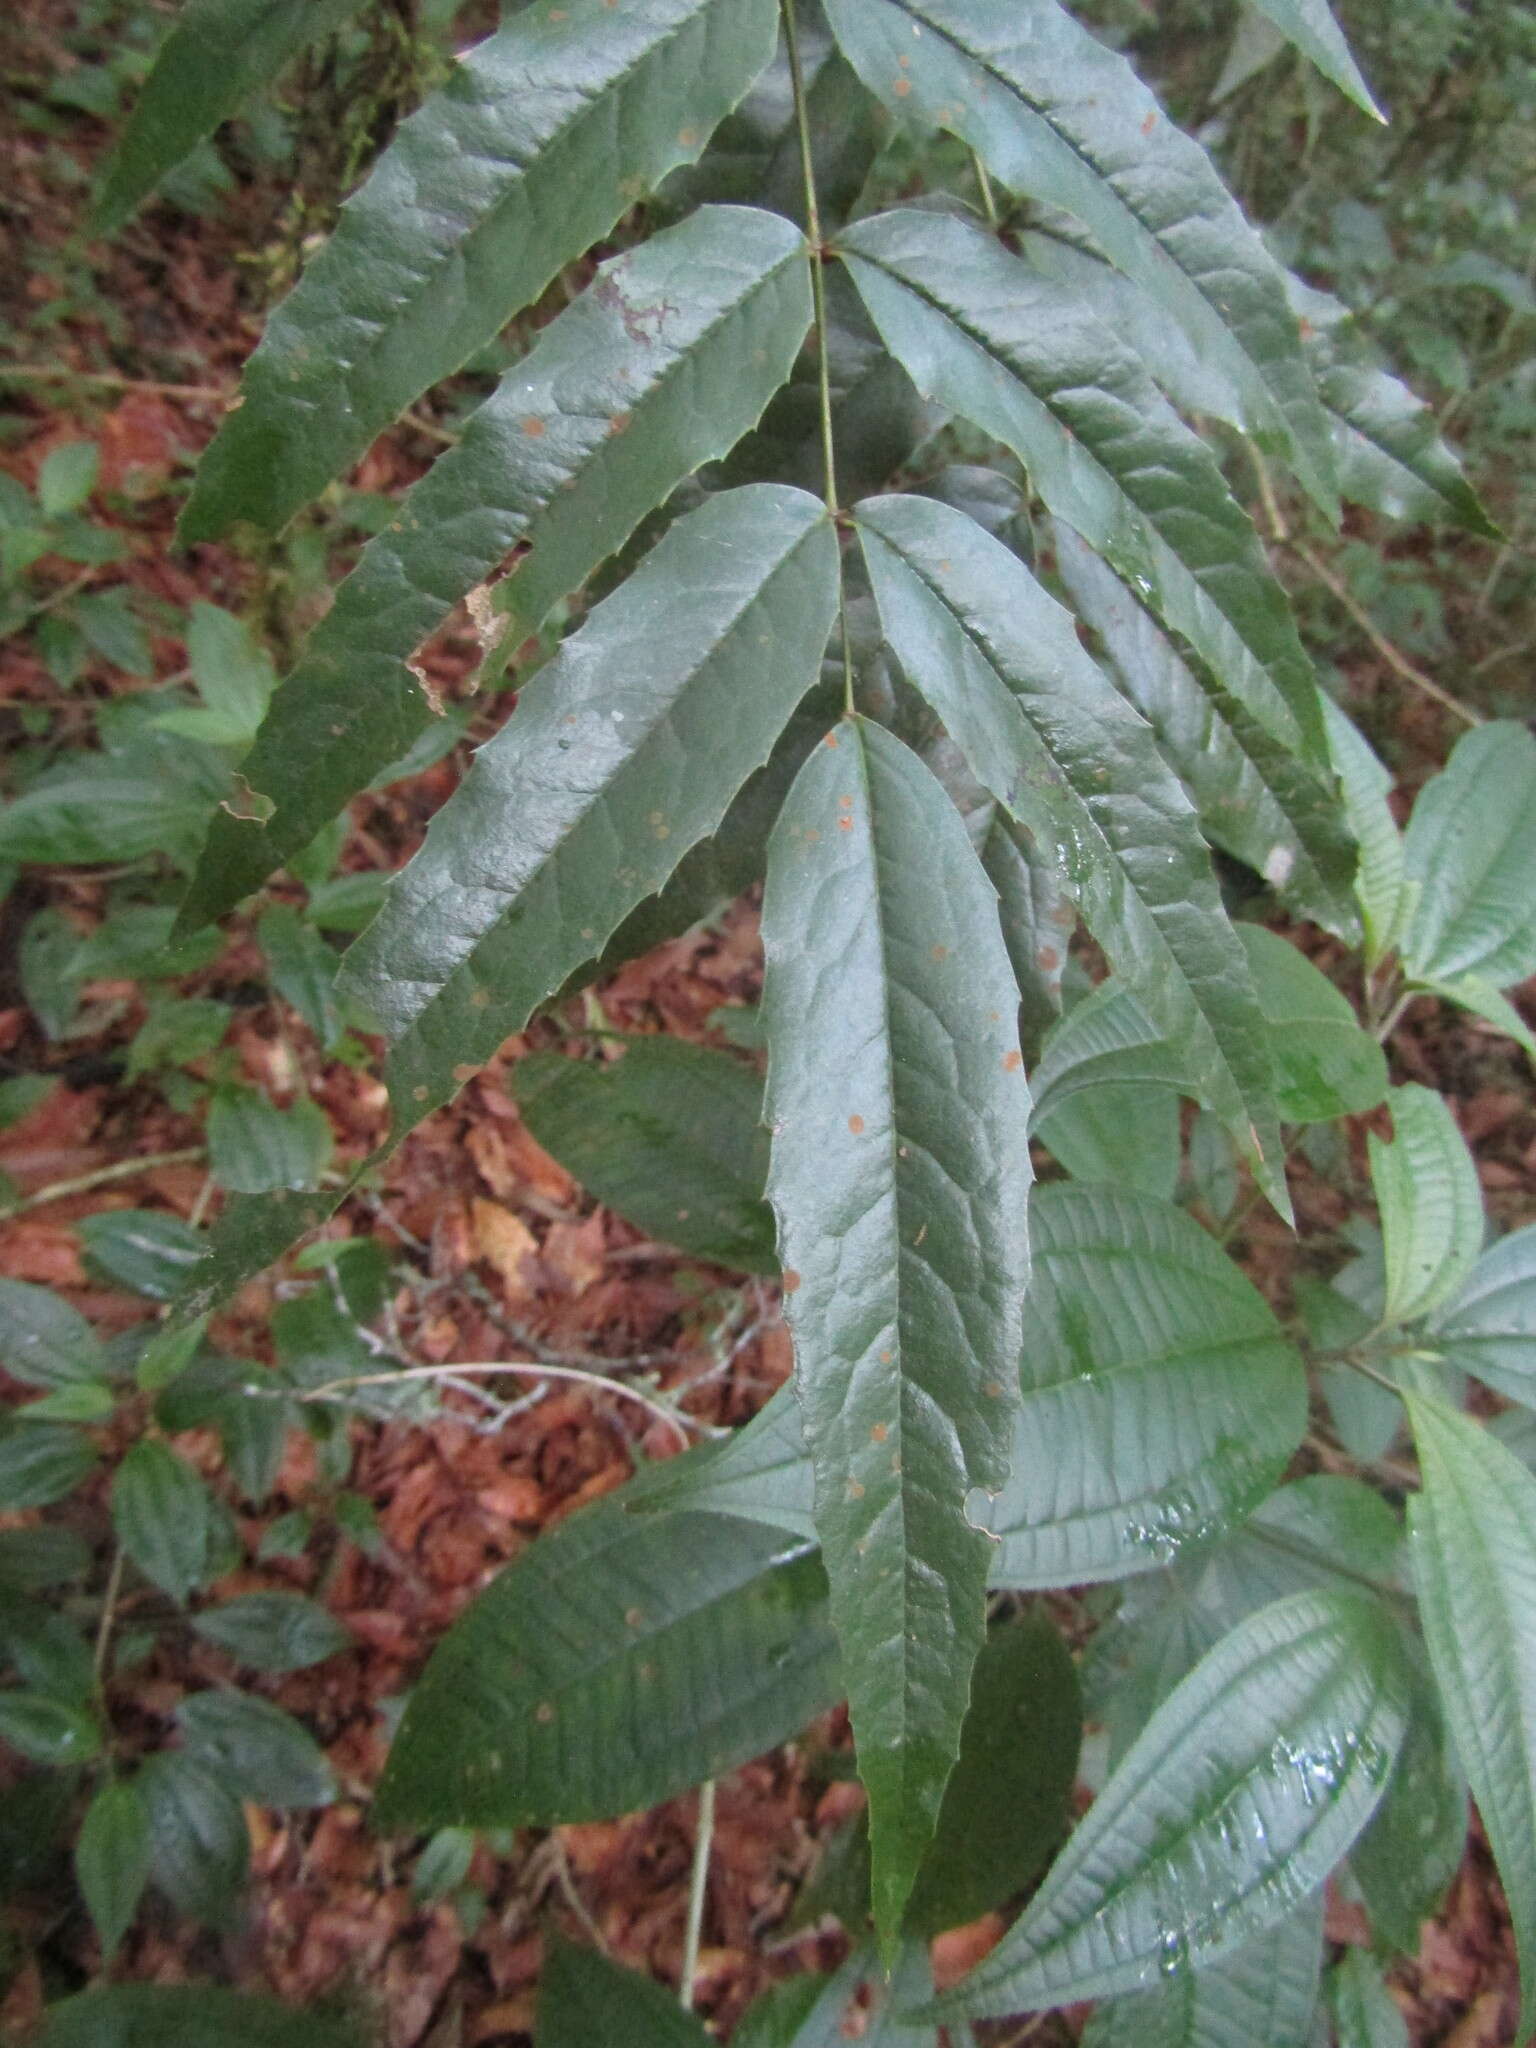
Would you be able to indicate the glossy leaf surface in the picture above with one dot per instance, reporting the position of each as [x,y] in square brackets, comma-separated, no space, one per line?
[899,1173]
[620,1660]
[543,136]
[625,752]
[1058,118]
[1160,1400]
[1266,1993]
[665,359]
[1472,1530]
[1431,1204]
[1469,852]
[1241,1793]
[1042,729]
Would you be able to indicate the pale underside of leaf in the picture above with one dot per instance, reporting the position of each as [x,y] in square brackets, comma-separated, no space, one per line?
[1025,361]
[543,136]
[1470,849]
[1472,1531]
[625,753]
[1264,1996]
[665,360]
[1058,118]
[1490,1327]
[1060,749]
[1257,801]
[1231,1807]
[899,1172]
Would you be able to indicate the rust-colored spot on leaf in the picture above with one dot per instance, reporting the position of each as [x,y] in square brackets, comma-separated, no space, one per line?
[481,999]
[940,952]
[419,1094]
[886,1357]
[993,1390]
[533,428]
[1149,124]
[855,1490]
[879,1432]
[845,824]
[855,1124]
[1012,1061]
[830,740]
[1047,959]
[791,1279]
[845,803]
[619,422]
[545,1712]
[902,87]
[633,1618]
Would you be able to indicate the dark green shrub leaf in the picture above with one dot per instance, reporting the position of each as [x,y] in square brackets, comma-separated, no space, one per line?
[273,1631]
[183,2016]
[256,1749]
[43,1341]
[234,677]
[1472,1531]
[1431,1204]
[199,1846]
[1310,25]
[616,1663]
[1255,798]
[664,361]
[253,1146]
[31,1560]
[1413,1848]
[1365,2014]
[544,135]
[1490,1327]
[1325,1064]
[1020,356]
[762,1473]
[49,1654]
[670,1136]
[302,966]
[112,1860]
[219,54]
[41,1462]
[899,1174]
[67,477]
[163,1515]
[1058,118]
[1237,1799]
[624,753]
[47,1731]
[443,1864]
[1161,1401]
[1043,730]
[1469,853]
[148,1251]
[1125,1134]
[1266,1993]
[1037,920]
[584,1999]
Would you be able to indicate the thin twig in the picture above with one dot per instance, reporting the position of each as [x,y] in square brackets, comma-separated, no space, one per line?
[525,1367]
[29,373]
[698,1885]
[1393,656]
[122,1169]
[108,1617]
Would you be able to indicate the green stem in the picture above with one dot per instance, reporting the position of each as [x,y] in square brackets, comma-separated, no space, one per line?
[105,1625]
[988,197]
[819,313]
[697,1886]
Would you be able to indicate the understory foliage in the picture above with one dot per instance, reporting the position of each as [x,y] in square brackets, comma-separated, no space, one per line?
[860,524]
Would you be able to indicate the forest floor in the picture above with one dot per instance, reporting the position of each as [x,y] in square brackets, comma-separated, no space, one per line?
[492,1245]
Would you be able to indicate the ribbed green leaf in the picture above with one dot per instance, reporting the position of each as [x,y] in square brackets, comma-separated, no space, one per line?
[1472,1530]
[1105,1040]
[43,1341]
[1058,118]
[1042,729]
[1490,1327]
[761,1473]
[112,1860]
[1325,1065]
[1310,25]
[1364,2012]
[255,1749]
[40,1462]
[273,1631]
[1264,1996]
[251,1232]
[899,1173]
[162,1513]
[544,135]
[1161,1402]
[1124,1134]
[48,1731]
[218,55]
[1413,1848]
[665,360]
[200,1846]
[620,1660]
[1470,852]
[1019,356]
[1037,919]
[1431,1204]
[1239,1796]
[1484,1001]
[254,1146]
[1255,799]
[183,2016]
[585,1999]
[624,753]
[670,1136]
[1381,887]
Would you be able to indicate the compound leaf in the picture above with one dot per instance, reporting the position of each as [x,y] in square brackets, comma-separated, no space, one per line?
[1020,356]
[899,1173]
[1058,118]
[620,1660]
[665,360]
[1239,1796]
[1472,1534]
[544,135]
[1043,730]
[1160,1400]
[624,753]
